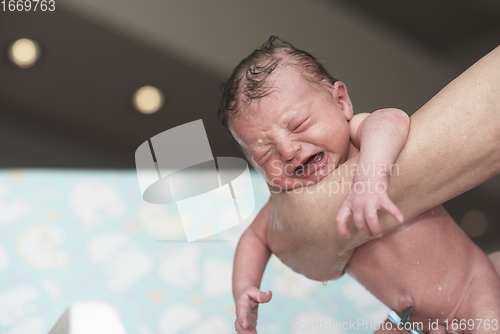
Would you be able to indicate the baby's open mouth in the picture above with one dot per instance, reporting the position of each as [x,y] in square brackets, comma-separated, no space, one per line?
[309,165]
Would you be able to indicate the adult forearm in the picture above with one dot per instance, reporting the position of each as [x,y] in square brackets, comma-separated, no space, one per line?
[453,144]
[454,140]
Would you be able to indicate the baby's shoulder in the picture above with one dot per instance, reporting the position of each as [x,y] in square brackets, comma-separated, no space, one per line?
[356,121]
[355,126]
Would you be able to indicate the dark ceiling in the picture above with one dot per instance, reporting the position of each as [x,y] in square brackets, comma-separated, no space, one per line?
[80,91]
[81,88]
[460,31]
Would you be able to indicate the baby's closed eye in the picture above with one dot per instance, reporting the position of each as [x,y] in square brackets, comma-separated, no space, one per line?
[299,124]
[260,155]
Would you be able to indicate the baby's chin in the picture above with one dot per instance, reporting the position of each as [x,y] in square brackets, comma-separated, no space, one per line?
[291,183]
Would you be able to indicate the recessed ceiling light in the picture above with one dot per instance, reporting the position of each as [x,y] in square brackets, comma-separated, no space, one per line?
[474,223]
[24,52]
[148,99]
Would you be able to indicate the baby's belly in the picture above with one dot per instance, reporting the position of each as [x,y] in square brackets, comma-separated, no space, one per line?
[428,262]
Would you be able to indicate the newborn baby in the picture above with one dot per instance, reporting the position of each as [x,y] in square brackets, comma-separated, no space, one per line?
[295,125]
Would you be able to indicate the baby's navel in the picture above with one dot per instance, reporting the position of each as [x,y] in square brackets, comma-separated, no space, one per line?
[406,301]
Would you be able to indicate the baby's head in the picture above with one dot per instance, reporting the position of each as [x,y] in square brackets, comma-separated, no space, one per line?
[288,114]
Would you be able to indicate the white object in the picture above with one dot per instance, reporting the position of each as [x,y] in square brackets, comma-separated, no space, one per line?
[89,317]
[167,166]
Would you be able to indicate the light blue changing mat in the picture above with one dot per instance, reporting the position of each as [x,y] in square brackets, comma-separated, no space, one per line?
[68,236]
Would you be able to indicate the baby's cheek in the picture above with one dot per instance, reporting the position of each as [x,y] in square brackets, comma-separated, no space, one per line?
[262,171]
[274,170]
[271,178]
[274,175]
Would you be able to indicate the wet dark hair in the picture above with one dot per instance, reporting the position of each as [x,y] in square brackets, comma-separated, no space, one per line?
[249,79]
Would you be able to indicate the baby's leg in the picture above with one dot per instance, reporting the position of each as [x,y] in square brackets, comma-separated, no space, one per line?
[495,259]
[481,307]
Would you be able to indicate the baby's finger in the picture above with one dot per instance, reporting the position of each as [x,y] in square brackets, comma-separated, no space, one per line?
[242,314]
[241,330]
[359,221]
[341,220]
[259,296]
[371,218]
[390,207]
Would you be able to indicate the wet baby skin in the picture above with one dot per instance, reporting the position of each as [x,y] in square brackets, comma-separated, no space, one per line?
[428,263]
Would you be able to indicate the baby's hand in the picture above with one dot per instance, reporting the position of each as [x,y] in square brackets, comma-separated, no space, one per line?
[363,200]
[247,303]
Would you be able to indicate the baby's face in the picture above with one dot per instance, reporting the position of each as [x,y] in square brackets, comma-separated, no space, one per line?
[298,134]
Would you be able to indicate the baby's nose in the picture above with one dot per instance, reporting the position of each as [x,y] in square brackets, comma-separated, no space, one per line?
[288,150]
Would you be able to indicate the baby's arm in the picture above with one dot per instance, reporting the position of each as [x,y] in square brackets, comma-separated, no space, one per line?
[380,137]
[250,261]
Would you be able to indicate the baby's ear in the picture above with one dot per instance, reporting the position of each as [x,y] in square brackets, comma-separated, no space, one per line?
[341,96]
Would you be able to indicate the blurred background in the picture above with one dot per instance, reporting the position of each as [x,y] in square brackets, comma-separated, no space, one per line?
[72,110]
